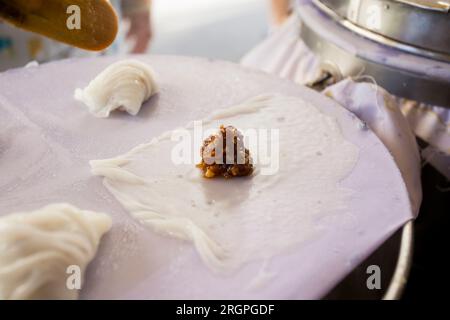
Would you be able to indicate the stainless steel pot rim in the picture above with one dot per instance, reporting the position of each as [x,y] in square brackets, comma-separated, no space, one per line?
[436,5]
[403,267]
[379,38]
[404,75]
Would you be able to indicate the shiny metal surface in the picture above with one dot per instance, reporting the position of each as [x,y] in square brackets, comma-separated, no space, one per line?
[438,5]
[412,27]
[403,267]
[402,83]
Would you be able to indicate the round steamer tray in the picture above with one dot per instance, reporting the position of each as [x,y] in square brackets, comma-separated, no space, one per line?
[47,139]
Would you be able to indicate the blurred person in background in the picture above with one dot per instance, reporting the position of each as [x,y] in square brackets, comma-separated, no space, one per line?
[281,10]
[19,47]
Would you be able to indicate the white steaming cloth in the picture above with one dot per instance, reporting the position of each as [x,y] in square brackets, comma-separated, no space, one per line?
[285,54]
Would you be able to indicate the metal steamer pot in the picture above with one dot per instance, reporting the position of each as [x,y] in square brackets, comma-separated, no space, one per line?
[404,45]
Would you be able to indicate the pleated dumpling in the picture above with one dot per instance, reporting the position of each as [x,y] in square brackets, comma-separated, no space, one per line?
[39,250]
[124,85]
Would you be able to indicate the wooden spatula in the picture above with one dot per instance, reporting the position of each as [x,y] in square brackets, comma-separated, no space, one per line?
[57,19]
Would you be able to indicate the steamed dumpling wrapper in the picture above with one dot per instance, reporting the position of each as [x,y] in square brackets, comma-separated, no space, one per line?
[124,85]
[232,222]
[38,247]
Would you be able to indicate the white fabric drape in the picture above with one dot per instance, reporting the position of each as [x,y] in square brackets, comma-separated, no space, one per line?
[284,53]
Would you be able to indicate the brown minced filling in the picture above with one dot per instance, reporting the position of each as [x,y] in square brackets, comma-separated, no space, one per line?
[216,148]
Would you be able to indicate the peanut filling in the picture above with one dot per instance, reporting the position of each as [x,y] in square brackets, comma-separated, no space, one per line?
[224,154]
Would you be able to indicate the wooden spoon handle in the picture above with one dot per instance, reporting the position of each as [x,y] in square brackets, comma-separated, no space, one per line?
[58,19]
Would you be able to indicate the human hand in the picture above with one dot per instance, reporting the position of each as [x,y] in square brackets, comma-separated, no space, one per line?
[140,31]
[280,11]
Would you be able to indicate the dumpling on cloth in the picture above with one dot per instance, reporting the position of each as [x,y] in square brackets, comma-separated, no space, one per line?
[39,248]
[124,85]
[296,150]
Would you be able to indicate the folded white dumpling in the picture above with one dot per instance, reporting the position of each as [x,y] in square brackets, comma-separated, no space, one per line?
[124,85]
[39,250]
